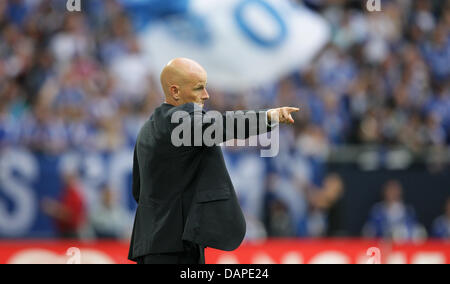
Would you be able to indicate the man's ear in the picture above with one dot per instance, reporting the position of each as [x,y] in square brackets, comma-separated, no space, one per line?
[175,92]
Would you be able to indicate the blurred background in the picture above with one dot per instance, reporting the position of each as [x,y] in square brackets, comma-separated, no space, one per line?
[366,163]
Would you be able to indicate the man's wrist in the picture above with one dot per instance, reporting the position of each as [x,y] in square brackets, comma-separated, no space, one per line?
[269,121]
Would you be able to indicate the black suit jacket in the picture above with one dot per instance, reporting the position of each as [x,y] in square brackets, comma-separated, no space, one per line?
[185,192]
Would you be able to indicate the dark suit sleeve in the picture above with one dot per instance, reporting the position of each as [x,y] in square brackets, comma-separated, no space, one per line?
[136,177]
[254,121]
[222,127]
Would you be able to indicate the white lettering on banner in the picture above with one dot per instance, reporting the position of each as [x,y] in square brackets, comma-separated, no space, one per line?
[348,251]
[428,258]
[330,257]
[18,170]
[335,257]
[374,255]
[292,258]
[396,258]
[262,258]
[75,255]
[43,256]
[227,258]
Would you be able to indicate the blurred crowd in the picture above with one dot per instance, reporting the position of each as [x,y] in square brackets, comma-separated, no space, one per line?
[71,81]
[385,76]
[80,82]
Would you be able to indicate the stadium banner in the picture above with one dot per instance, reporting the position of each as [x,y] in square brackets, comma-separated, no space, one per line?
[242,43]
[334,251]
[27,178]
[286,251]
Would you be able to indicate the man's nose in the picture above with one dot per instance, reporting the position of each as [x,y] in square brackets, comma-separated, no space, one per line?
[205,95]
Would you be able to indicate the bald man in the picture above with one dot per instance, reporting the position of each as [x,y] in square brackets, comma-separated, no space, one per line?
[186,200]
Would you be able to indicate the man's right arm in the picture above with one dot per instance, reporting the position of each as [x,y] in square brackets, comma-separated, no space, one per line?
[213,128]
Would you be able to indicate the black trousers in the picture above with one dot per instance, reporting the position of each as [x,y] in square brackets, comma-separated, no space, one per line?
[192,254]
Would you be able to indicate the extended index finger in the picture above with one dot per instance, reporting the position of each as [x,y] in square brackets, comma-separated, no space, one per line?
[293,109]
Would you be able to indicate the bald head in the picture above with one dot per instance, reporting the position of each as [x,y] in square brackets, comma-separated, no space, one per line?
[183,81]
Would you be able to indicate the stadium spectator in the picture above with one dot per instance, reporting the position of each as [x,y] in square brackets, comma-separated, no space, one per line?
[441,226]
[392,218]
[43,132]
[69,212]
[324,214]
[108,220]
[280,223]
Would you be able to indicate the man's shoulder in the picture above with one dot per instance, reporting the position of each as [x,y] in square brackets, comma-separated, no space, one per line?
[161,118]
[165,111]
[175,113]
[188,108]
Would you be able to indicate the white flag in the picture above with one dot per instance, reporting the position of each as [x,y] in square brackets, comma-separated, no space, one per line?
[241,43]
